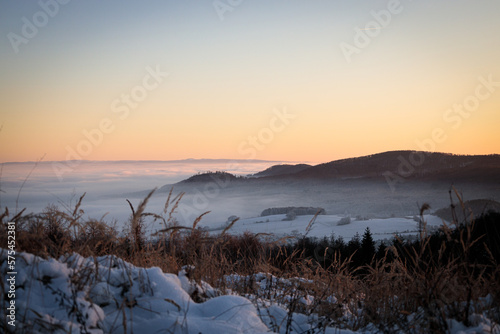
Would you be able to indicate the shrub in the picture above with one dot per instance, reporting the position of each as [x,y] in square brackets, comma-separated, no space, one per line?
[344,221]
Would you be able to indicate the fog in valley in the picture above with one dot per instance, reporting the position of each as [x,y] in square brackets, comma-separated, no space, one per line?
[108,185]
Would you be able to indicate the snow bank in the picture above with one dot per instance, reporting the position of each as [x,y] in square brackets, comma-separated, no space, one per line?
[108,295]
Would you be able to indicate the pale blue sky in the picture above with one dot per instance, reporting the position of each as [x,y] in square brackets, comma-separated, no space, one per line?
[226,76]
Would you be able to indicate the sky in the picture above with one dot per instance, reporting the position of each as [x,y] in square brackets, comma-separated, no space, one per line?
[307,81]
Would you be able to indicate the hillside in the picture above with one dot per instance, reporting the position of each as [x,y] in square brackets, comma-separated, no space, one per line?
[380,185]
[471,209]
[408,165]
[284,169]
[411,165]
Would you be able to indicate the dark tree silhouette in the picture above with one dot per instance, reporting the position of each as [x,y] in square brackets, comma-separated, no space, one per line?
[367,246]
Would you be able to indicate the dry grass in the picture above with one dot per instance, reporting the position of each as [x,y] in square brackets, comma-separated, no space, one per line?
[412,289]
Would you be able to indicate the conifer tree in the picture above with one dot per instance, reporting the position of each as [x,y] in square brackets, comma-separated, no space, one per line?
[367,246]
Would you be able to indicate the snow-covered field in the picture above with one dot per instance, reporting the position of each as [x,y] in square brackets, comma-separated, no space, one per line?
[326,225]
[108,295]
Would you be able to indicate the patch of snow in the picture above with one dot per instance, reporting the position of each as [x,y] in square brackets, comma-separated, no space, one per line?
[108,295]
[326,225]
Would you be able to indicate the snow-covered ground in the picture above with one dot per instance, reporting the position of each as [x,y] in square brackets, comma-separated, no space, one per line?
[326,225]
[108,295]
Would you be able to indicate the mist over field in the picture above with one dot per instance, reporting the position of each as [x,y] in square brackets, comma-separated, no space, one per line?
[108,186]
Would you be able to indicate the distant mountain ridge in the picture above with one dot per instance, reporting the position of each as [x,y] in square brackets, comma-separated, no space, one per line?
[407,164]
[416,165]
[211,176]
[424,161]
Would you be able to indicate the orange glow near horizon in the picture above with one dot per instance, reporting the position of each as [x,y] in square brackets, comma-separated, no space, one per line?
[100,91]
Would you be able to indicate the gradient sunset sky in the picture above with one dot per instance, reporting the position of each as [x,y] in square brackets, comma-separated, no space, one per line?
[277,80]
